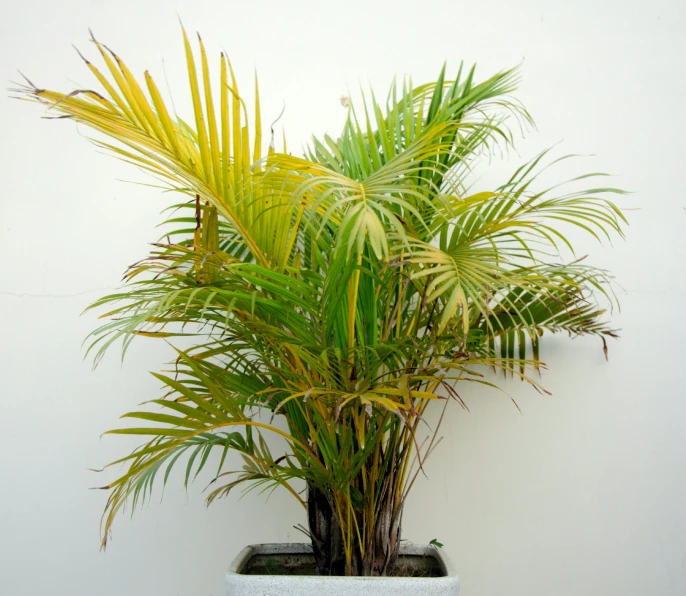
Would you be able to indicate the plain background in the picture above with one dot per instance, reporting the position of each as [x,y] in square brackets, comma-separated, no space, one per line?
[581,493]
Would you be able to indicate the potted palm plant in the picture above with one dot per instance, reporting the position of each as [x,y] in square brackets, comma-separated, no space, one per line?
[333,299]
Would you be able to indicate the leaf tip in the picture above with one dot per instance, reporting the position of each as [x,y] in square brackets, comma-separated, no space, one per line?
[80,54]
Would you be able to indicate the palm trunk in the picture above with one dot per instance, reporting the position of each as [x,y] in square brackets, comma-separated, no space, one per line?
[381,553]
[325,533]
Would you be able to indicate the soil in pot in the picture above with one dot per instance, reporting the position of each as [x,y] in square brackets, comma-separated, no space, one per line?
[304,564]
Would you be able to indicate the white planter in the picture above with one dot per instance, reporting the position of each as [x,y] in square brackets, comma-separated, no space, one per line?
[238,583]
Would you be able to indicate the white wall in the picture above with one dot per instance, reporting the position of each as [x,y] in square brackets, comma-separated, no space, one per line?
[582,493]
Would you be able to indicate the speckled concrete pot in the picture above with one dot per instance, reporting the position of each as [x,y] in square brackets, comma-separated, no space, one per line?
[238,584]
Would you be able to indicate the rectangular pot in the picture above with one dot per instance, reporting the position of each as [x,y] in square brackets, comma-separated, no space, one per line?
[238,583]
